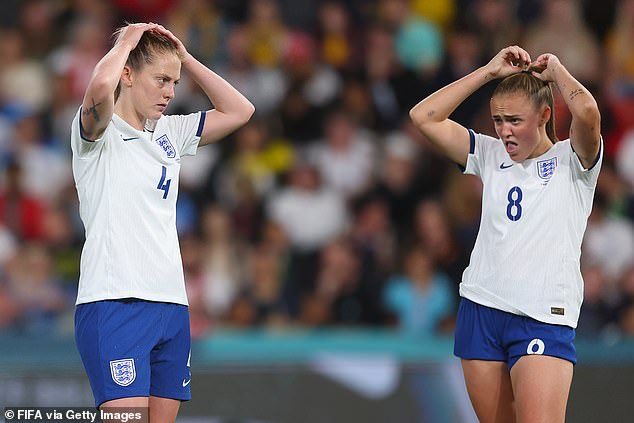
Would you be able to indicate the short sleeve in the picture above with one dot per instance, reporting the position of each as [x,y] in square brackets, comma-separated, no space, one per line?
[80,145]
[187,130]
[479,148]
[591,175]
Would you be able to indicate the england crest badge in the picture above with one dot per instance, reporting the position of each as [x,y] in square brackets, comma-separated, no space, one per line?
[166,145]
[546,168]
[123,371]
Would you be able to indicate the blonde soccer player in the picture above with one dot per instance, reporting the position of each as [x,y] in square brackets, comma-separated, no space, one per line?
[522,291]
[132,320]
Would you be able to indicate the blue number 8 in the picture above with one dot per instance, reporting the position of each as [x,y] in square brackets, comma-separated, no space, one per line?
[514,202]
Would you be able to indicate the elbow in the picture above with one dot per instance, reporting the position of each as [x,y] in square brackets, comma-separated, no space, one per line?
[250,110]
[422,115]
[590,114]
[102,86]
[245,114]
[414,115]
[419,118]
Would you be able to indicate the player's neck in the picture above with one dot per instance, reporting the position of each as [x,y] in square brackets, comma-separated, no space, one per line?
[125,110]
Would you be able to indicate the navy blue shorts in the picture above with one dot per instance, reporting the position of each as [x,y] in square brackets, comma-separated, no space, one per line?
[485,333]
[134,348]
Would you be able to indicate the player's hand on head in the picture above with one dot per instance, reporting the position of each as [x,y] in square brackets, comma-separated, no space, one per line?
[180,47]
[131,34]
[509,60]
[544,67]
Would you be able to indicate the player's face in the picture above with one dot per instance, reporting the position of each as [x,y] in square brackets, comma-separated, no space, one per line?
[153,87]
[517,124]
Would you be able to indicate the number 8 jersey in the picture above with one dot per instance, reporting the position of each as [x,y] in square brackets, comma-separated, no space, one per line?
[127,182]
[526,259]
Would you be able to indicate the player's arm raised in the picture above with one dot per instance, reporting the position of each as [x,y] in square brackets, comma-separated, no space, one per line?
[431,115]
[98,104]
[231,108]
[585,128]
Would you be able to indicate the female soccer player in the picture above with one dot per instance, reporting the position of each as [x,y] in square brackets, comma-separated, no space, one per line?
[132,320]
[522,290]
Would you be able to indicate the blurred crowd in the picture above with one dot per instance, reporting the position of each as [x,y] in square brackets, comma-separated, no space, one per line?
[328,208]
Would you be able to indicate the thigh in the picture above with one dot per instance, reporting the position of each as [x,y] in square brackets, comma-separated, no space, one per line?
[170,359]
[114,340]
[489,387]
[478,334]
[526,336]
[541,385]
[163,410]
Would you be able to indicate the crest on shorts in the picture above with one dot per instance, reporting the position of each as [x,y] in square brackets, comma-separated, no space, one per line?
[122,371]
[166,145]
[546,168]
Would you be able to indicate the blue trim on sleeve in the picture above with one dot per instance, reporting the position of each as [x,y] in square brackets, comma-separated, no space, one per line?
[471,148]
[81,129]
[471,141]
[596,160]
[201,123]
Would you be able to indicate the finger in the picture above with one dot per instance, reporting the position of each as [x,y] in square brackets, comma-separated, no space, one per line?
[543,58]
[519,57]
[515,52]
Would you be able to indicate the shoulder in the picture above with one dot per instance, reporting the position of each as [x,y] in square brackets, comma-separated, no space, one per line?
[485,147]
[563,145]
[484,141]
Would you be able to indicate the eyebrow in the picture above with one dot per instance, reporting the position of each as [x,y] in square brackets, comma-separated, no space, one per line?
[506,116]
[166,76]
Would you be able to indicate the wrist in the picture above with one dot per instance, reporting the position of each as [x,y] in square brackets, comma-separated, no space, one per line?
[186,58]
[558,71]
[484,74]
[126,44]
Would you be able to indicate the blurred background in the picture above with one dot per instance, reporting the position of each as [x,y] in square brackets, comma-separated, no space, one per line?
[323,242]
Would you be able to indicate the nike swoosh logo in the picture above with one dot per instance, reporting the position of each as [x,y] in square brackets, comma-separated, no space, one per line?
[502,166]
[186,382]
[129,139]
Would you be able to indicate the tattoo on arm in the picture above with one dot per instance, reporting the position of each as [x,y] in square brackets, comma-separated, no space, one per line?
[575,93]
[92,110]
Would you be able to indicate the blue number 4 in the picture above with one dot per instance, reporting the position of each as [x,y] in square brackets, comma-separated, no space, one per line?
[163,184]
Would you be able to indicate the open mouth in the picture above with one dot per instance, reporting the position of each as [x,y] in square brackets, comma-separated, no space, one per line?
[511,147]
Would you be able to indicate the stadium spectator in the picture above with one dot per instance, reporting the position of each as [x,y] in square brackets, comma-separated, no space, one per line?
[311,216]
[345,157]
[21,213]
[421,297]
[562,30]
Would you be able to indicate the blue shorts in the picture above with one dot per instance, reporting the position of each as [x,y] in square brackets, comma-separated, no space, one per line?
[134,348]
[485,333]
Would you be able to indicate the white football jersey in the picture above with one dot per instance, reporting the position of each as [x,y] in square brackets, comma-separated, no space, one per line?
[526,259]
[127,183]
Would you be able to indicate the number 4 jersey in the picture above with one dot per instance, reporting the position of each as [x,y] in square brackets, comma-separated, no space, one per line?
[127,182]
[526,259]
